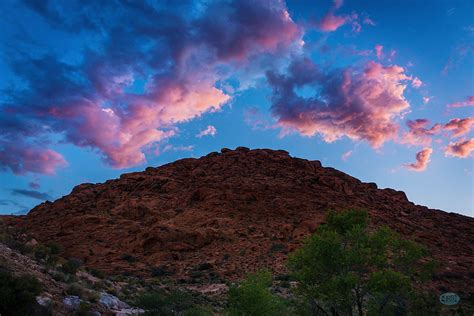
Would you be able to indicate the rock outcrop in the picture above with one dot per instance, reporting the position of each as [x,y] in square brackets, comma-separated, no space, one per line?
[232,212]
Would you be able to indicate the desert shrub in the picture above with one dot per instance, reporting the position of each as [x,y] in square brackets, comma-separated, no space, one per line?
[198,311]
[75,289]
[17,294]
[97,273]
[165,303]
[346,269]
[252,297]
[48,253]
[72,265]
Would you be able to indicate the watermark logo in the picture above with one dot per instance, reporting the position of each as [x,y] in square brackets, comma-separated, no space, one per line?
[449,298]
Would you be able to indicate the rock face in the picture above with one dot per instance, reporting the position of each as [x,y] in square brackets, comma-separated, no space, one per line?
[229,213]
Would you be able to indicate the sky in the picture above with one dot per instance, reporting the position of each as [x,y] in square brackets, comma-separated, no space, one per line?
[381,90]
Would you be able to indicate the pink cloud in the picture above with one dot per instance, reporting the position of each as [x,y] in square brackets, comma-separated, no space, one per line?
[459,127]
[461,149]
[416,82]
[346,155]
[468,102]
[359,105]
[90,104]
[208,131]
[331,22]
[36,160]
[378,51]
[426,100]
[418,133]
[422,160]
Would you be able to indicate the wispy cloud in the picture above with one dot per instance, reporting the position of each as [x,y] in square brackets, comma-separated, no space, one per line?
[32,194]
[208,131]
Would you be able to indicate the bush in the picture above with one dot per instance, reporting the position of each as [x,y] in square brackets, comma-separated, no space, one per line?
[165,303]
[346,269]
[72,265]
[18,294]
[75,289]
[47,253]
[253,297]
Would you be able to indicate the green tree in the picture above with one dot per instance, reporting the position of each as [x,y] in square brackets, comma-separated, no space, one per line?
[346,268]
[252,297]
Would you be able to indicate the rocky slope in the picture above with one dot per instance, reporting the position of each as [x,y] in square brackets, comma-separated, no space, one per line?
[228,213]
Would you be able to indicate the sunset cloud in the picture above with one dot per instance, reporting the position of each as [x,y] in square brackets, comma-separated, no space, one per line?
[460,149]
[379,51]
[419,133]
[468,102]
[208,131]
[346,155]
[459,126]
[358,104]
[422,160]
[93,103]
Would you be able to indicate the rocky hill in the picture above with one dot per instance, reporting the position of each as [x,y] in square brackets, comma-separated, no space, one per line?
[228,213]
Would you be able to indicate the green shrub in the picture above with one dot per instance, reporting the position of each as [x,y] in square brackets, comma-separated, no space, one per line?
[165,303]
[17,294]
[253,298]
[48,253]
[72,265]
[75,289]
[347,269]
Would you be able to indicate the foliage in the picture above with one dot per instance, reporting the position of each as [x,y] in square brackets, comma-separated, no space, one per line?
[165,303]
[72,265]
[48,253]
[75,289]
[253,297]
[18,294]
[345,269]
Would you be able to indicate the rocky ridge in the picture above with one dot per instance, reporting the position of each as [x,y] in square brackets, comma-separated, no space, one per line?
[217,217]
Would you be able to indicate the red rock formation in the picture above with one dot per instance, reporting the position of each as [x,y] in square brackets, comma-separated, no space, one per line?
[236,211]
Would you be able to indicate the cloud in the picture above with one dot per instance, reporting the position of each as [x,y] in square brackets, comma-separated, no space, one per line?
[422,160]
[346,155]
[31,194]
[468,102]
[170,147]
[379,51]
[208,131]
[416,82]
[331,22]
[460,149]
[418,133]
[22,157]
[361,104]
[34,185]
[180,52]
[459,126]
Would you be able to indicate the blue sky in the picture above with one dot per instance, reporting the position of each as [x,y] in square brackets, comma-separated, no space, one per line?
[381,90]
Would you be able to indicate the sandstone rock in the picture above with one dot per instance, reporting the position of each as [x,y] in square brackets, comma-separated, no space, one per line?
[239,203]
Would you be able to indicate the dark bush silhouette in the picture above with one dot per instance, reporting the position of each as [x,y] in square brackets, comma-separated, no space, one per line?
[17,294]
